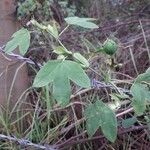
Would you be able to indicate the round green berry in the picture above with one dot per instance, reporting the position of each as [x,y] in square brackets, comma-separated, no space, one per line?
[110,47]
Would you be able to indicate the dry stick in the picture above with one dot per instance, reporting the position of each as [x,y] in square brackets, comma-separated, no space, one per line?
[145,40]
[69,142]
[133,39]
[67,129]
[133,61]
[125,112]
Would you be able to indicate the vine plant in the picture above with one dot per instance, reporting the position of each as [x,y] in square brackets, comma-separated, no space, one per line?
[71,66]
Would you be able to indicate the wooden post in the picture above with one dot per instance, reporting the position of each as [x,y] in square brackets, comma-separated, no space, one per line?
[8,24]
[13,73]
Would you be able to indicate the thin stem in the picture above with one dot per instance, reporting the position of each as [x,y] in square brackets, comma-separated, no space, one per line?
[63,30]
[48,101]
[61,43]
[133,60]
[96,72]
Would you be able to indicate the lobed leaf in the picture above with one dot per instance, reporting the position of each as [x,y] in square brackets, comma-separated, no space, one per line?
[140,96]
[82,22]
[100,115]
[46,73]
[19,39]
[141,92]
[59,72]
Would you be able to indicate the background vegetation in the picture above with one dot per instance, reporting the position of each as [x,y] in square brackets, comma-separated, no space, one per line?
[127,23]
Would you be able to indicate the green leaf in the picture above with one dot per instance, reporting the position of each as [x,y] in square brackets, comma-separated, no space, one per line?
[20,38]
[100,115]
[145,77]
[92,115]
[39,25]
[61,50]
[78,57]
[129,122]
[61,57]
[60,72]
[53,30]
[140,94]
[77,74]
[45,75]
[121,96]
[82,22]
[61,89]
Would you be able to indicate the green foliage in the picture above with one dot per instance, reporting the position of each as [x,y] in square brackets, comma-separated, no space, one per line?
[67,10]
[129,122]
[51,29]
[79,58]
[145,77]
[44,9]
[26,8]
[140,96]
[100,115]
[60,72]
[82,22]
[60,50]
[19,39]
[69,67]
[141,92]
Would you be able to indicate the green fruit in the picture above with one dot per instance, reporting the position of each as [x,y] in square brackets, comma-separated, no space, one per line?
[110,47]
